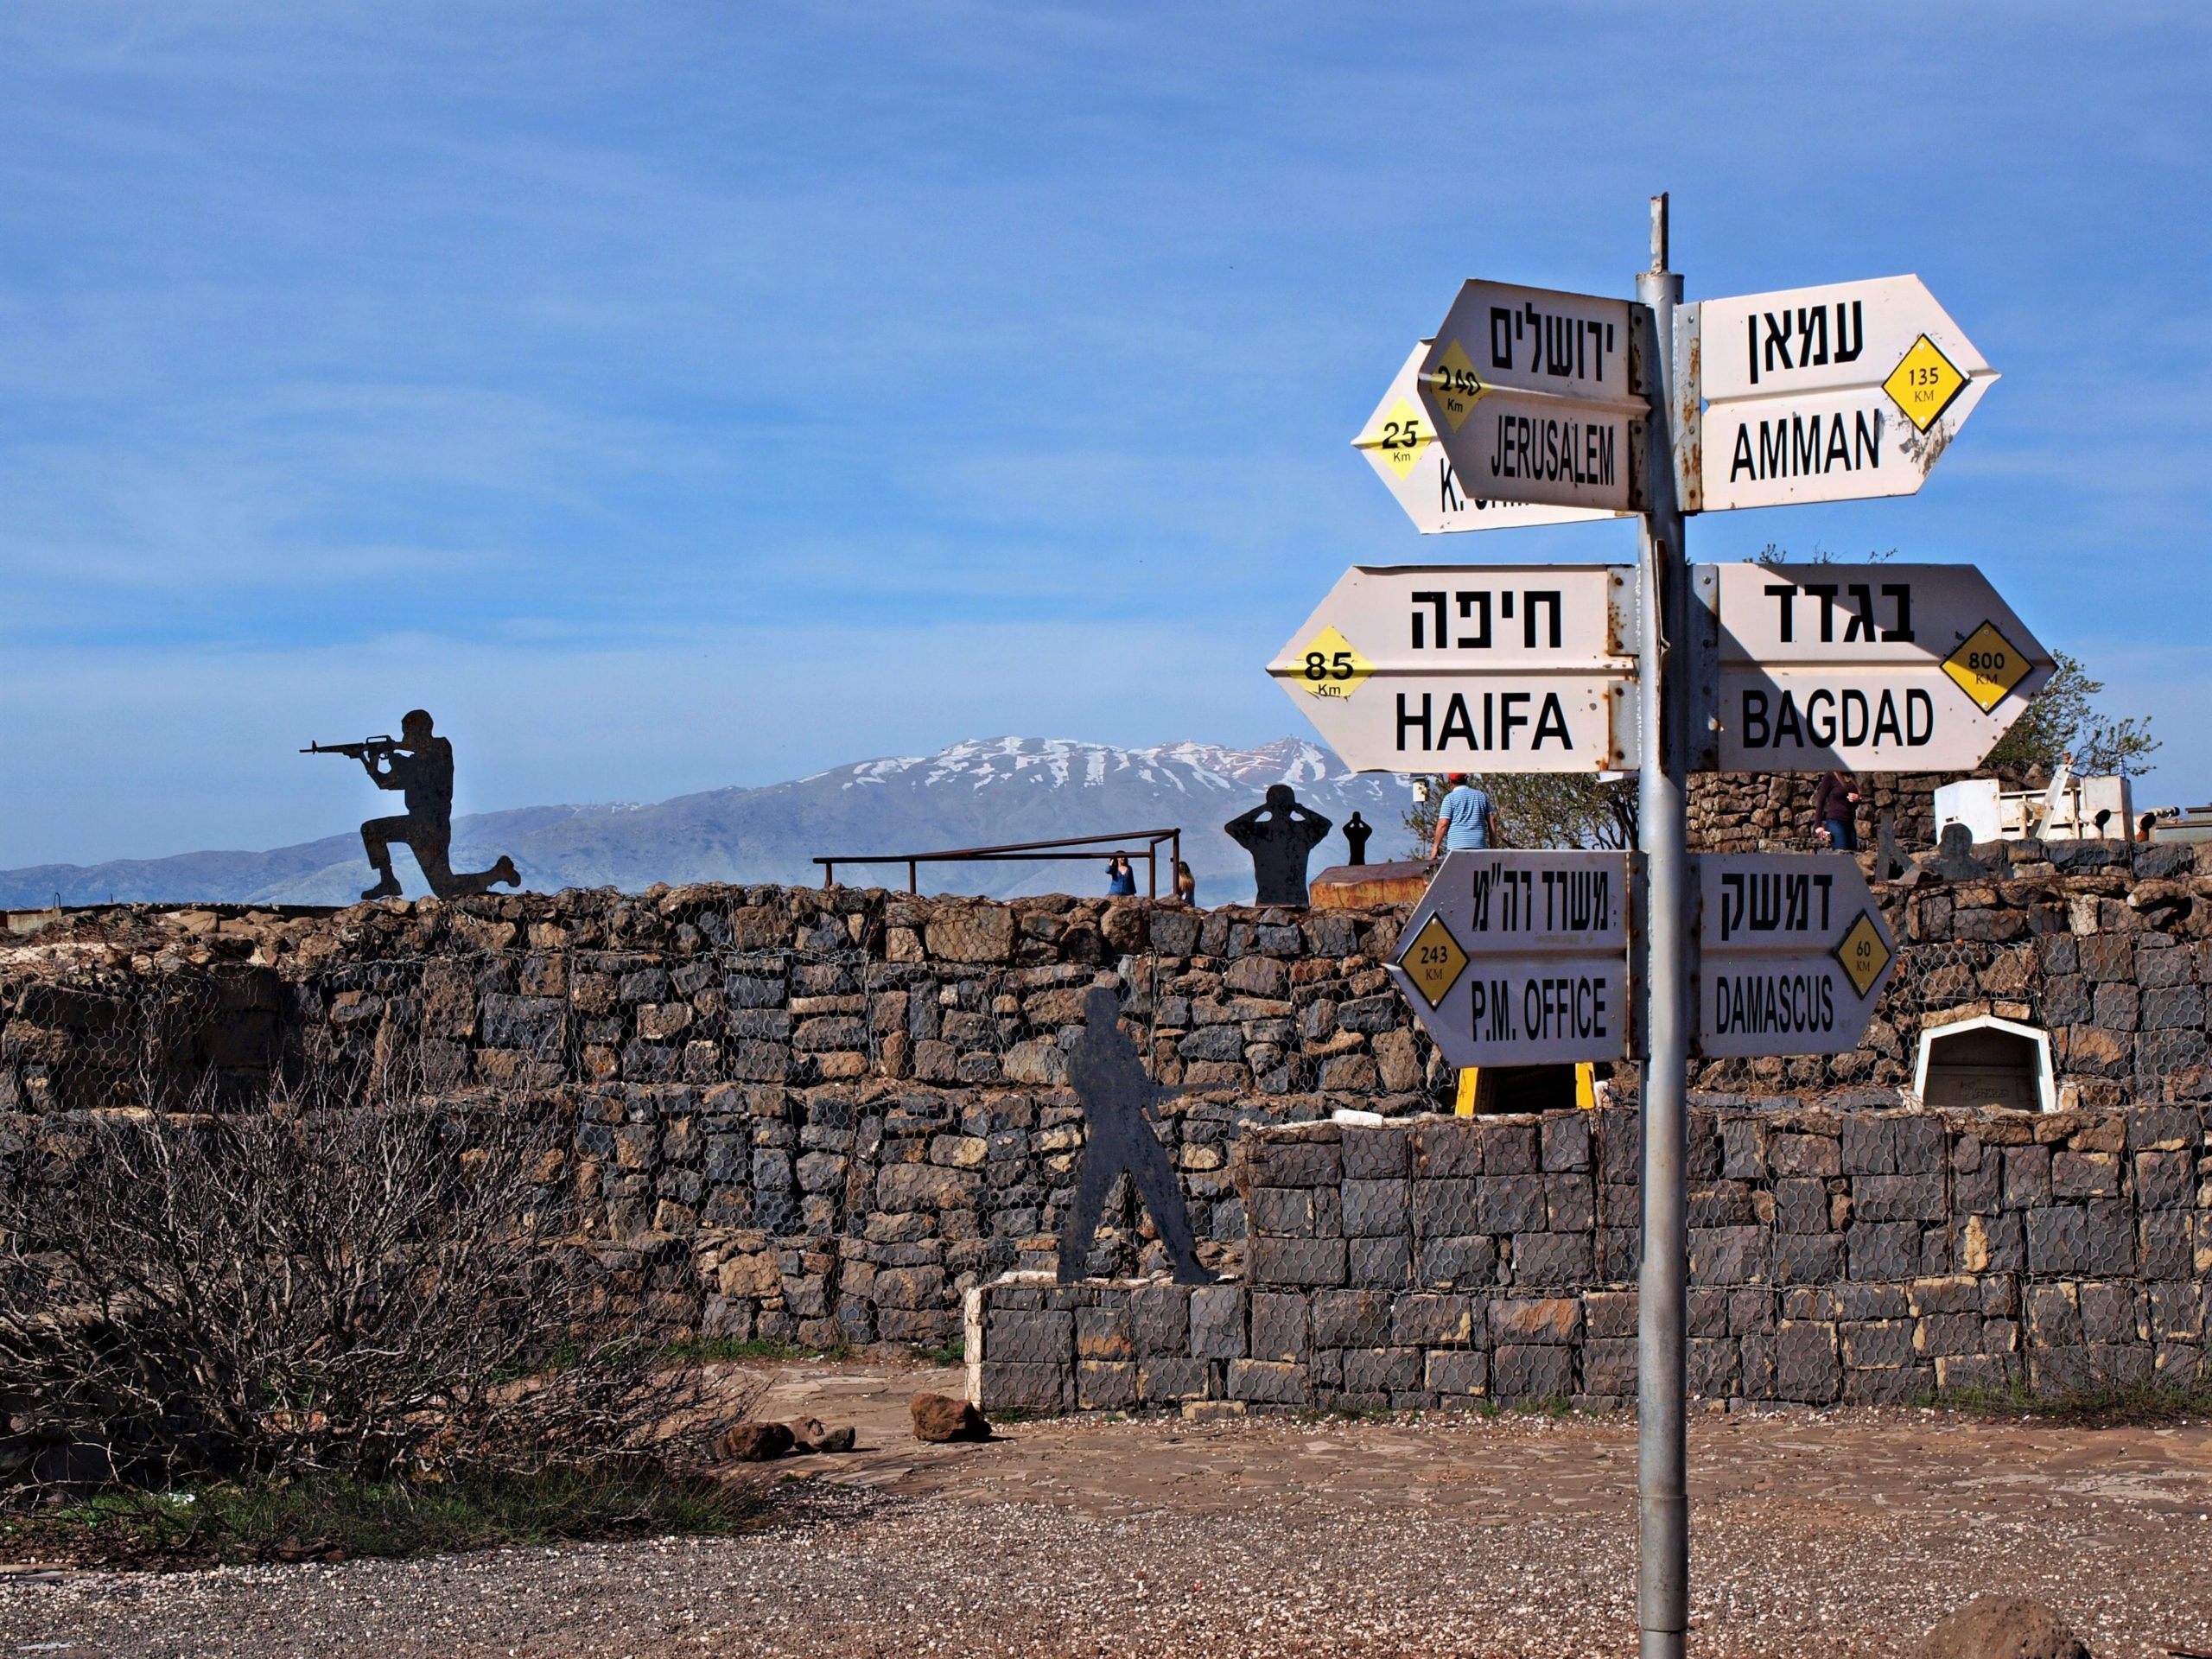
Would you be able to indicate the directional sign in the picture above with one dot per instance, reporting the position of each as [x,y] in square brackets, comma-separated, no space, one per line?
[1880,667]
[1521,958]
[1828,394]
[1528,390]
[1400,445]
[1501,668]
[1794,953]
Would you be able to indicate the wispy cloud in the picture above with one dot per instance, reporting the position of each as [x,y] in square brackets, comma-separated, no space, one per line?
[735,391]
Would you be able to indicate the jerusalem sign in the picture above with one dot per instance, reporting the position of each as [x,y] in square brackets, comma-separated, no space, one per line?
[1528,390]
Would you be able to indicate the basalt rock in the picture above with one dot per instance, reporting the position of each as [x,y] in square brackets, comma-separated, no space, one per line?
[2002,1627]
[755,1442]
[809,1434]
[939,1418]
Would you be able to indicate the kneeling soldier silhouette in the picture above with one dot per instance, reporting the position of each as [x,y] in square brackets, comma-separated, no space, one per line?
[419,764]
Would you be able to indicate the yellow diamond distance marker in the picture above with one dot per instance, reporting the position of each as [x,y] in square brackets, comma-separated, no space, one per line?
[1330,665]
[1433,961]
[1399,437]
[1987,667]
[1454,384]
[1923,383]
[1863,954]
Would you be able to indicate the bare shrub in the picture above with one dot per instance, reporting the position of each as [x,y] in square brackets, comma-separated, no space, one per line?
[365,1280]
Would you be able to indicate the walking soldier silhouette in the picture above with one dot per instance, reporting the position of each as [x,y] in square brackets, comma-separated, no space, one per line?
[1110,1081]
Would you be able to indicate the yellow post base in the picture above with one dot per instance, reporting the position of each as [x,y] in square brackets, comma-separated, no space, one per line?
[1469,1102]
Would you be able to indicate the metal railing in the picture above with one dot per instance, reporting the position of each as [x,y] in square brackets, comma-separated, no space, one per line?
[1076,850]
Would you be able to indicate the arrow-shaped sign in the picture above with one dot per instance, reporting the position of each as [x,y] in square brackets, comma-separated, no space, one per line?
[1528,391]
[1878,667]
[1400,444]
[1521,958]
[1500,668]
[1827,394]
[1793,953]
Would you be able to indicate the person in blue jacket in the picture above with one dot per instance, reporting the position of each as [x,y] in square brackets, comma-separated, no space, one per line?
[1121,879]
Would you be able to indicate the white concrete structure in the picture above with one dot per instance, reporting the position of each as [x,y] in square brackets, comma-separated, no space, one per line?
[2085,809]
[1984,1061]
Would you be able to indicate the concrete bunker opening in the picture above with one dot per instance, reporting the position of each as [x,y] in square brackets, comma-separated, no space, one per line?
[1985,1062]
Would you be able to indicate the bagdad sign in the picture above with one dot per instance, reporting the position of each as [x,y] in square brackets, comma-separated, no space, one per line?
[1881,667]
[1827,394]
[1794,953]
[1400,444]
[1521,958]
[1528,390]
[1496,668]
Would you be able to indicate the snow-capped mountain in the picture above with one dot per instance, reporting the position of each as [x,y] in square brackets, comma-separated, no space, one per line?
[976,793]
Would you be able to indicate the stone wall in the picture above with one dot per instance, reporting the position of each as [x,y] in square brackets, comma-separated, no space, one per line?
[826,1113]
[829,1114]
[2108,946]
[702,985]
[1772,812]
[2110,953]
[1860,1257]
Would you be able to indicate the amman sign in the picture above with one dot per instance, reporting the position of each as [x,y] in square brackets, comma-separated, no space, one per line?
[1879,667]
[1827,394]
[1521,958]
[1499,668]
[1528,390]
[1401,444]
[1793,953]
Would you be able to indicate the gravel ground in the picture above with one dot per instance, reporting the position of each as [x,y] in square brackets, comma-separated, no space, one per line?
[1815,1535]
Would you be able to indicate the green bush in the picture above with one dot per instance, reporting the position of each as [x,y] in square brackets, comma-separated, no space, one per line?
[328,1518]
[2099,1405]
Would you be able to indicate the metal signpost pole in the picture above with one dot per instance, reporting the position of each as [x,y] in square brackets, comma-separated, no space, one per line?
[1662,1585]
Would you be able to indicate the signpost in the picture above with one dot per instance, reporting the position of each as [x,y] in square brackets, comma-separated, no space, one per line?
[1793,953]
[1521,958]
[1568,405]
[1884,667]
[1401,444]
[1827,394]
[1508,668]
[1528,390]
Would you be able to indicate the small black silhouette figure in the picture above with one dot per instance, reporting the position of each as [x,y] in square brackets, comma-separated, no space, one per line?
[1279,834]
[419,764]
[1109,1079]
[1356,830]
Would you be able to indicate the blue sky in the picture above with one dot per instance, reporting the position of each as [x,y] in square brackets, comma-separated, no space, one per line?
[672,396]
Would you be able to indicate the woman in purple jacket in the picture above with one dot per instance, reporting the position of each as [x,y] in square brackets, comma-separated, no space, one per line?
[1836,804]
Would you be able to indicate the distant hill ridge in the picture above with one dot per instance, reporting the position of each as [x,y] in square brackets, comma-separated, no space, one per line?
[975,793]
